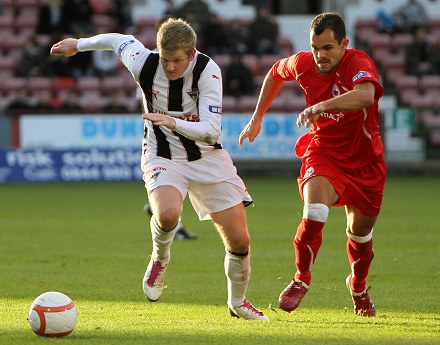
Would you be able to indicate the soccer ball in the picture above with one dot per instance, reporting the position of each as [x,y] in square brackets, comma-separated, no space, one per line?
[52,314]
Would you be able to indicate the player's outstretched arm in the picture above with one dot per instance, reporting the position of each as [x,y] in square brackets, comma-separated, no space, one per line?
[269,90]
[67,47]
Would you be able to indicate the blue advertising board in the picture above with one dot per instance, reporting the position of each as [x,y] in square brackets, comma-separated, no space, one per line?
[44,165]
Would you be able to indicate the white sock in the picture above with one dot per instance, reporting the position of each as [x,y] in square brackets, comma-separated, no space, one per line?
[238,271]
[162,241]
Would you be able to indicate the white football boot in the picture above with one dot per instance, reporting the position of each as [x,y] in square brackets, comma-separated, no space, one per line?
[248,312]
[153,283]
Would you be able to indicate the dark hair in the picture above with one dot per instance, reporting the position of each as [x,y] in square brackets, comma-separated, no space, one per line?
[330,20]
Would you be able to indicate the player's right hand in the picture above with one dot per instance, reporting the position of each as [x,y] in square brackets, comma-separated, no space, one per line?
[66,47]
[309,115]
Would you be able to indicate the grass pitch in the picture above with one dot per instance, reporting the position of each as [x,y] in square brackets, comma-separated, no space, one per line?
[91,241]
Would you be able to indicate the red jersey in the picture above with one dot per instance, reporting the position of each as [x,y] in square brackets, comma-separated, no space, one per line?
[350,137]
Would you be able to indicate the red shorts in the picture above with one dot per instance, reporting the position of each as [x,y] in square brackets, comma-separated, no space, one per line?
[362,187]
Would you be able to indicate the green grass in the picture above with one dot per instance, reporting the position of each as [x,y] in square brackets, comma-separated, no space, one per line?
[91,241]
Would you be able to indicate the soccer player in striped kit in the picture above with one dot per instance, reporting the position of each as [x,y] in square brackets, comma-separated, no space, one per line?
[182,151]
[342,154]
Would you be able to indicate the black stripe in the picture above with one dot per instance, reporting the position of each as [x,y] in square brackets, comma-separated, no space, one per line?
[163,146]
[175,103]
[146,80]
[192,150]
[202,61]
[147,76]
[175,95]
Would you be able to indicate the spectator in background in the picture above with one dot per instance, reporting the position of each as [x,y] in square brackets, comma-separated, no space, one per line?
[171,9]
[237,36]
[385,22]
[105,63]
[58,66]
[81,65]
[421,57]
[119,11]
[197,13]
[33,60]
[215,39]
[77,17]
[122,12]
[50,17]
[411,15]
[263,34]
[239,80]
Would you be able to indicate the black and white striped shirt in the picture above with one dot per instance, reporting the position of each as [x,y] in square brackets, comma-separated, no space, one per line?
[196,97]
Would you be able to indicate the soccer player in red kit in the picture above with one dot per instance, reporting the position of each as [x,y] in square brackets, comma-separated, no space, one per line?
[342,154]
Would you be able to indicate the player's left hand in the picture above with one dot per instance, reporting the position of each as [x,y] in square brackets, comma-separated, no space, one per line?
[160,120]
[309,115]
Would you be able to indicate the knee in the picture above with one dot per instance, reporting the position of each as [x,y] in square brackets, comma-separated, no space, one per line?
[167,219]
[240,245]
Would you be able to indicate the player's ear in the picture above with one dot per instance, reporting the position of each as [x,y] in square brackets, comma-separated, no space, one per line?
[191,57]
[344,42]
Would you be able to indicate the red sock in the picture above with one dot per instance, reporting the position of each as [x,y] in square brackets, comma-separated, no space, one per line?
[360,256]
[307,242]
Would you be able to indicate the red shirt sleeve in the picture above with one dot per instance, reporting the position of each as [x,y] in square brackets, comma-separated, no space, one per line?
[285,69]
[360,68]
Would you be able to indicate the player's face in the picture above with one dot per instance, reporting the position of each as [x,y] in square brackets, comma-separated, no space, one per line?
[175,62]
[327,52]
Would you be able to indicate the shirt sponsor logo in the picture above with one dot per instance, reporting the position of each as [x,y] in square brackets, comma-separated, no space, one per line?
[125,44]
[333,116]
[189,117]
[360,75]
[215,109]
[154,173]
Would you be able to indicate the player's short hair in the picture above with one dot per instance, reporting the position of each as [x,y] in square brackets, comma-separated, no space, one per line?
[329,20]
[175,34]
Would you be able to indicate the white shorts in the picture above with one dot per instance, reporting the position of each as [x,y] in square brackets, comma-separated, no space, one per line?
[211,182]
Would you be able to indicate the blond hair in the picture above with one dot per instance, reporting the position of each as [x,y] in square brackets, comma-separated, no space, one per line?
[175,34]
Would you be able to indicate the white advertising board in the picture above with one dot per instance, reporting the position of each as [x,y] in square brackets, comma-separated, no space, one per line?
[276,140]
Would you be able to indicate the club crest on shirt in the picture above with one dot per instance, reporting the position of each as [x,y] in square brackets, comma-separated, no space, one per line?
[194,94]
[335,91]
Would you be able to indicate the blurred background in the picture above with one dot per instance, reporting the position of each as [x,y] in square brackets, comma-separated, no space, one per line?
[78,119]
